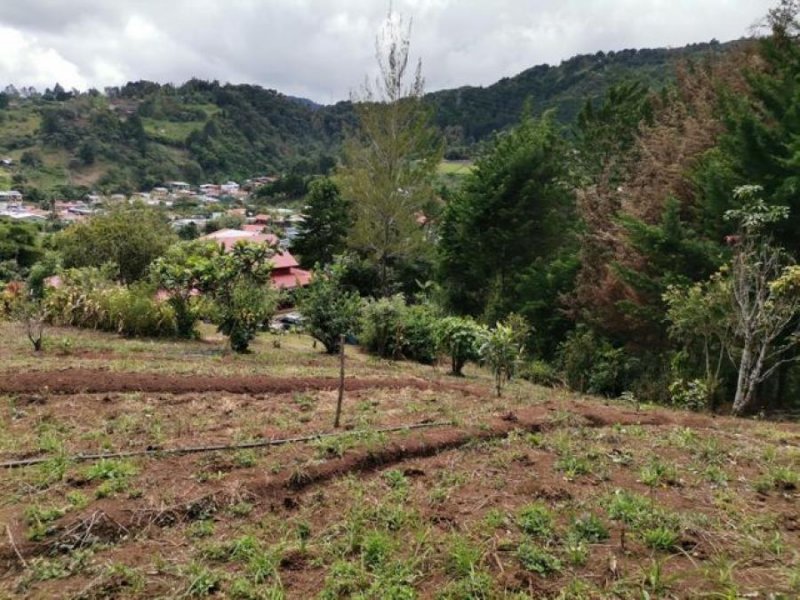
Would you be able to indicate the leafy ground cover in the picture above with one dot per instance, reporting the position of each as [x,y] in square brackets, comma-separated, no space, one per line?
[541,493]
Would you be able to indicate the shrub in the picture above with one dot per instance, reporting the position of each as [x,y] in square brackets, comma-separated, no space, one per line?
[329,309]
[251,306]
[87,298]
[382,325]
[540,373]
[501,350]
[137,313]
[591,364]
[391,329]
[419,333]
[693,394]
[459,338]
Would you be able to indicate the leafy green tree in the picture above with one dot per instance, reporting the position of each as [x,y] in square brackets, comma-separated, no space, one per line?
[189,231]
[130,236]
[389,163]
[238,283]
[329,309]
[224,222]
[502,352]
[185,270]
[459,338]
[19,249]
[323,233]
[699,317]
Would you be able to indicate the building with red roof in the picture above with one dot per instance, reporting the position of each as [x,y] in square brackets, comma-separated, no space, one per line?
[286,272]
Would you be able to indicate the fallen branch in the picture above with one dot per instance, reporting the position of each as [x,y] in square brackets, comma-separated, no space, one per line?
[14,546]
[261,443]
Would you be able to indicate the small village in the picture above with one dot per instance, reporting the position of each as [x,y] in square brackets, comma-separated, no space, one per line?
[193,212]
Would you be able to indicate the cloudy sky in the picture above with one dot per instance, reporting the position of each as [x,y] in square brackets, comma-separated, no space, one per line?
[322,49]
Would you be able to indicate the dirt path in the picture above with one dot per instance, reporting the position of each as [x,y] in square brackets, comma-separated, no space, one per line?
[75,381]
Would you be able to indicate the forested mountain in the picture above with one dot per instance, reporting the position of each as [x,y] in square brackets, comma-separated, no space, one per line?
[142,134]
[470,114]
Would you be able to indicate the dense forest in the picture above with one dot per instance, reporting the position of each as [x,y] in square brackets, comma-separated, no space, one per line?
[141,134]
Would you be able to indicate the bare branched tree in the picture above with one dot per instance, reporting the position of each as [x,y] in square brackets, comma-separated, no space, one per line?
[765,313]
[390,160]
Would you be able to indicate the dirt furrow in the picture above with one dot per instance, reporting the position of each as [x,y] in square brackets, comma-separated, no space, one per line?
[76,381]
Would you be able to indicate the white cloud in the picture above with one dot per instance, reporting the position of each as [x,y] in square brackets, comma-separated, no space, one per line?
[324,48]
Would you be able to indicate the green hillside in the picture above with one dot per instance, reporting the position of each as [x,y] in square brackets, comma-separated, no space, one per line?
[142,134]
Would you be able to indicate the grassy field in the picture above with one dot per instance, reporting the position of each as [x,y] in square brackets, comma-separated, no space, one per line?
[454,167]
[540,493]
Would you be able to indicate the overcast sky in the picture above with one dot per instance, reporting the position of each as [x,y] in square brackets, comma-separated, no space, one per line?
[322,49]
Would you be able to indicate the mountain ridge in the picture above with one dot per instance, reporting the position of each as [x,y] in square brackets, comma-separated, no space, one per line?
[143,133]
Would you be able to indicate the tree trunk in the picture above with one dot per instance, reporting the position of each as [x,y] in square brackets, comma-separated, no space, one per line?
[741,399]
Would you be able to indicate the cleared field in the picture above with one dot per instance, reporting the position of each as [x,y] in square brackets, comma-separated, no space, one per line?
[455,167]
[540,493]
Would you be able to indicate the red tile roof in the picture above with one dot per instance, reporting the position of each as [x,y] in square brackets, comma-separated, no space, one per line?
[291,279]
[285,273]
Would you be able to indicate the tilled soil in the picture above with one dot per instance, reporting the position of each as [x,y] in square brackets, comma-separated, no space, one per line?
[75,381]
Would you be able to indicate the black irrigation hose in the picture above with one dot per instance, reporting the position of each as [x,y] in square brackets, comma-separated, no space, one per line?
[216,447]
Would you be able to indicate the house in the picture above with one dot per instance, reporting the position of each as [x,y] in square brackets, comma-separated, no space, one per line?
[231,187]
[286,272]
[10,196]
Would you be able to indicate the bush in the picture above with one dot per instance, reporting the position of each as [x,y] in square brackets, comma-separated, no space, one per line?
[540,372]
[87,298]
[501,350]
[382,326]
[391,329]
[591,364]
[329,309]
[693,394]
[250,309]
[460,338]
[419,333]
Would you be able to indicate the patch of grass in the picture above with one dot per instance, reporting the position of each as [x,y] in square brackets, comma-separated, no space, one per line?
[39,519]
[590,528]
[344,580]
[245,458]
[538,560]
[573,466]
[110,469]
[463,557]
[662,537]
[536,520]
[376,549]
[656,473]
[200,529]
[628,507]
[241,509]
[202,581]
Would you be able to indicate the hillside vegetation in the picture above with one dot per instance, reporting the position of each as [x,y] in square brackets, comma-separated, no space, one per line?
[143,134]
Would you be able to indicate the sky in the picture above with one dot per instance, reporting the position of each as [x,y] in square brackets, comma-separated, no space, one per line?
[324,49]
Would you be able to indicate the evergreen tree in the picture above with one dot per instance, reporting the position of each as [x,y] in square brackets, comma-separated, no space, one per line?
[324,230]
[507,227]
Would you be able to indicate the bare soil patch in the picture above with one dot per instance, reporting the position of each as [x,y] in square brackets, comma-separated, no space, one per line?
[75,381]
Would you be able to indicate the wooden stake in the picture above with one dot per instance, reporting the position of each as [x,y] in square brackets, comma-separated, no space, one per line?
[341,382]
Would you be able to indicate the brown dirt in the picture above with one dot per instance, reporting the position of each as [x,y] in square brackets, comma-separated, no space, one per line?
[74,381]
[113,518]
